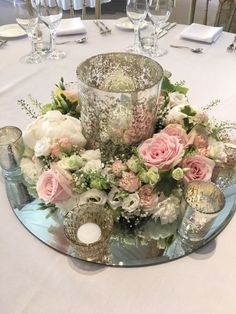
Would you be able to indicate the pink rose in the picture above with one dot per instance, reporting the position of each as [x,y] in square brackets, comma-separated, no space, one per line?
[54,186]
[71,95]
[199,168]
[162,151]
[118,167]
[177,130]
[129,182]
[148,199]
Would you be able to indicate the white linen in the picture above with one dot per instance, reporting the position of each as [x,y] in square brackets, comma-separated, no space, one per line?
[203,33]
[35,279]
[71,26]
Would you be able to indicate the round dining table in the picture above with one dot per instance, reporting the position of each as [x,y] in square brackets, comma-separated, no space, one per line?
[34,278]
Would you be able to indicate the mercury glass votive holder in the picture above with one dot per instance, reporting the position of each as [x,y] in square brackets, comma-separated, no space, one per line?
[81,215]
[204,202]
[119,98]
[11,150]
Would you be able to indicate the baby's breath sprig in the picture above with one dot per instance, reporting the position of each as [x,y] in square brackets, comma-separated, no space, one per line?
[30,111]
[211,105]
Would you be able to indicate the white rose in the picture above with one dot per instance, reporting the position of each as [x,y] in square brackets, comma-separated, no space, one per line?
[31,170]
[42,147]
[92,165]
[54,125]
[91,154]
[177,98]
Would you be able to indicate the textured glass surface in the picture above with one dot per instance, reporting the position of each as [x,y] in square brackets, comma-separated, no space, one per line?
[119,98]
[124,247]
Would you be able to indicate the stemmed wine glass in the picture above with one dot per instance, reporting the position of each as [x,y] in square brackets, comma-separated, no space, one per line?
[159,12]
[27,18]
[50,13]
[136,11]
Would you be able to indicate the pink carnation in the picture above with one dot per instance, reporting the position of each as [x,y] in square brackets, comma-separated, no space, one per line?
[177,130]
[148,199]
[198,168]
[162,151]
[129,182]
[54,186]
[118,167]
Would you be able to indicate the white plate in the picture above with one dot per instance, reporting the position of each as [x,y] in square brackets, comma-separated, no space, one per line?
[125,24]
[11,31]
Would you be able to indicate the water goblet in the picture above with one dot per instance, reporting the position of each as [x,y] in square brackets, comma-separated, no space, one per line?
[50,13]
[27,18]
[159,12]
[136,11]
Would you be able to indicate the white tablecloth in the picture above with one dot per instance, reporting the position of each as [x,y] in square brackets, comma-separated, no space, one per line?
[78,4]
[36,279]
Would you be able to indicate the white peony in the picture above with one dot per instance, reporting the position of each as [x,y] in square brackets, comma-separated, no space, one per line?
[91,154]
[177,98]
[42,147]
[176,115]
[54,126]
[31,169]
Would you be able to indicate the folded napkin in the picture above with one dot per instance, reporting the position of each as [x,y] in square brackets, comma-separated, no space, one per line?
[202,33]
[71,26]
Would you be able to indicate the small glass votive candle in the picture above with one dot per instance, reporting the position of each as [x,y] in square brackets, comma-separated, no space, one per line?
[11,150]
[204,202]
[89,227]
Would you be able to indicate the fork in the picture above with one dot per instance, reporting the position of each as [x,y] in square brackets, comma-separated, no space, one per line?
[107,29]
[101,29]
[232,46]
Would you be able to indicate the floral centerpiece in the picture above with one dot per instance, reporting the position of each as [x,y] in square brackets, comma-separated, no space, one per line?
[140,184]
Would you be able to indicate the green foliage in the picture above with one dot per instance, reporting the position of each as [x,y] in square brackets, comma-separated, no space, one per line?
[168,87]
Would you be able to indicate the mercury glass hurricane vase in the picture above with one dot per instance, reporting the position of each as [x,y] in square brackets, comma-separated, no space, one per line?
[119,98]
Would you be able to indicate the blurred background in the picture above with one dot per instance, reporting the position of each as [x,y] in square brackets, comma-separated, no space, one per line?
[116,9]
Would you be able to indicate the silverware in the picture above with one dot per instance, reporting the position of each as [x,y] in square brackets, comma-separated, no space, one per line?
[2,42]
[195,50]
[101,29]
[107,29]
[78,41]
[165,28]
[232,46]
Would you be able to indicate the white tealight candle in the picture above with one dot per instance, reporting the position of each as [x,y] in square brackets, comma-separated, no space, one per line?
[89,233]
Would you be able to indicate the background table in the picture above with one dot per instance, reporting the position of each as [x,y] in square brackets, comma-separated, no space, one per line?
[36,279]
[78,4]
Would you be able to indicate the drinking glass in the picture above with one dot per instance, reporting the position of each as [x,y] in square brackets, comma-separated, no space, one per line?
[27,18]
[11,149]
[50,13]
[136,11]
[204,203]
[159,12]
